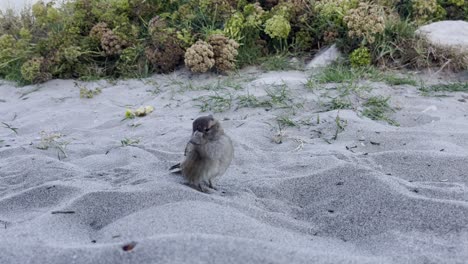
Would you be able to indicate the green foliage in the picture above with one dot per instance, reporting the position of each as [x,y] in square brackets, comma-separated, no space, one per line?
[88,39]
[450,87]
[216,102]
[377,107]
[339,103]
[396,80]
[360,57]
[132,63]
[277,27]
[424,11]
[391,45]
[89,93]
[278,62]
[31,69]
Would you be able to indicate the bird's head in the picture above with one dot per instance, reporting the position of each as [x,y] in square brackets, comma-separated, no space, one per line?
[204,129]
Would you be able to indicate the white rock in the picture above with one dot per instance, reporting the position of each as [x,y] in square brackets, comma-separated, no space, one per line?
[447,34]
[324,58]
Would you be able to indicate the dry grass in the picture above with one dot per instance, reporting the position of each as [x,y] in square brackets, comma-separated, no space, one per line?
[418,53]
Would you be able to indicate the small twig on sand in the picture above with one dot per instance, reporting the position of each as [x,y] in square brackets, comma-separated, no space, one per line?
[63,212]
[14,129]
[443,66]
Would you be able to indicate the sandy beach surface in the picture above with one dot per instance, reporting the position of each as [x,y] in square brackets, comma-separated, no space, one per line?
[81,184]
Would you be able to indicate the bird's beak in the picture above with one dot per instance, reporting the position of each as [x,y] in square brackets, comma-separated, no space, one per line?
[197,138]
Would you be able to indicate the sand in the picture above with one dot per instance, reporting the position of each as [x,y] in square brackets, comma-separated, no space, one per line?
[376,194]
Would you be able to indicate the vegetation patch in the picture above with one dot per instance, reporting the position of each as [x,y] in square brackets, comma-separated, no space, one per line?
[92,39]
[377,108]
[449,87]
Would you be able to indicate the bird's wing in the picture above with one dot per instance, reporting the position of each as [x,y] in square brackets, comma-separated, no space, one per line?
[189,149]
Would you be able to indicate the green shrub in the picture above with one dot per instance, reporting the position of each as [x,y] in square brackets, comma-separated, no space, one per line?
[132,38]
[360,57]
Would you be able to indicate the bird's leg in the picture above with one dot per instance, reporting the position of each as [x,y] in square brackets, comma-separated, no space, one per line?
[200,187]
[210,184]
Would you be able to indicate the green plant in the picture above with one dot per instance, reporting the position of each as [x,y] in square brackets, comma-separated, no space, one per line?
[14,129]
[391,46]
[340,125]
[249,100]
[360,57]
[132,63]
[338,103]
[129,142]
[376,108]
[449,87]
[396,80]
[286,121]
[337,73]
[91,39]
[342,73]
[278,62]
[216,103]
[89,93]
[245,27]
[425,10]
[280,96]
[277,27]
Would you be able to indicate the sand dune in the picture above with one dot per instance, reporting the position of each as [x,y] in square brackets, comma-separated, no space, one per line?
[92,183]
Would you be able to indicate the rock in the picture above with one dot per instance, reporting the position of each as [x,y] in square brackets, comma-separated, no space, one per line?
[447,34]
[324,58]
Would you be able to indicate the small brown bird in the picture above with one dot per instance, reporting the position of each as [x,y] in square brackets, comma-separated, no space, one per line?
[208,154]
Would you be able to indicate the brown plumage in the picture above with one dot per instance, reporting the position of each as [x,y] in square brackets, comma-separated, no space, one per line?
[208,154]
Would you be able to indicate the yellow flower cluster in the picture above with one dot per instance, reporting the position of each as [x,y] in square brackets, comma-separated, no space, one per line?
[365,21]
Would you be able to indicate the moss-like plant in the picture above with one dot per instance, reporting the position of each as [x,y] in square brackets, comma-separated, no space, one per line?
[34,70]
[277,27]
[360,57]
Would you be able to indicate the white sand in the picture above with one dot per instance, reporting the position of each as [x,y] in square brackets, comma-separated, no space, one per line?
[402,199]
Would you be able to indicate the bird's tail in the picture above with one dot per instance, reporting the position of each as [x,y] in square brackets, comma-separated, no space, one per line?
[175,169]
